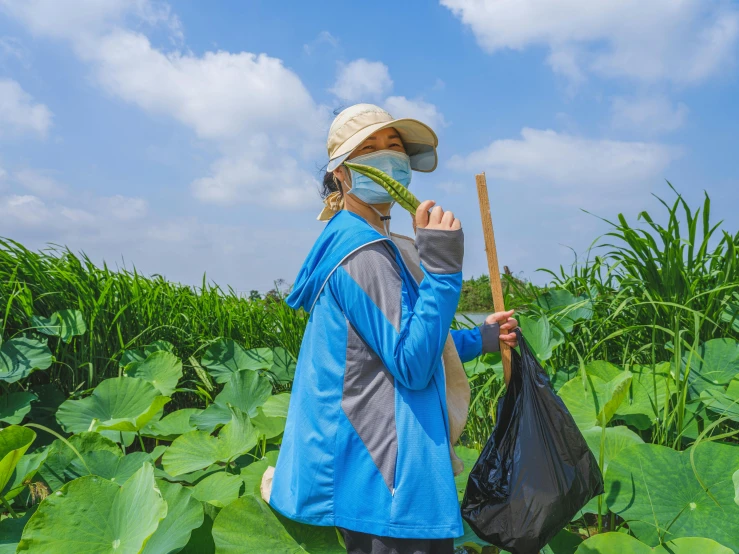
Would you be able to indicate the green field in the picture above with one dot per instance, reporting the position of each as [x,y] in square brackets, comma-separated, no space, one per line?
[138,415]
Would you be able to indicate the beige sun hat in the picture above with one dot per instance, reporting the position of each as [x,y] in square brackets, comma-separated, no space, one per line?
[354,124]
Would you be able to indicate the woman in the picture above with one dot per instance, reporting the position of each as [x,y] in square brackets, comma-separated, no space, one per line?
[366,444]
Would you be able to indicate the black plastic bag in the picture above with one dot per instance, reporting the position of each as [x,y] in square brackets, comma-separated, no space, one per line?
[536,470]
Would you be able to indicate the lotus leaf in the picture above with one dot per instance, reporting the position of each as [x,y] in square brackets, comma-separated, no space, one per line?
[15,406]
[91,515]
[723,403]
[64,324]
[245,390]
[118,404]
[56,465]
[266,533]
[11,530]
[271,417]
[540,336]
[140,354]
[220,489]
[596,401]
[14,441]
[113,467]
[312,538]
[252,474]
[468,456]
[616,439]
[650,485]
[565,308]
[621,543]
[226,357]
[714,364]
[735,478]
[162,369]
[198,449]
[22,355]
[184,514]
[172,425]
[26,469]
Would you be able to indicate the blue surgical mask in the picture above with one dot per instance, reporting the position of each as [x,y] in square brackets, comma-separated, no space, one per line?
[396,164]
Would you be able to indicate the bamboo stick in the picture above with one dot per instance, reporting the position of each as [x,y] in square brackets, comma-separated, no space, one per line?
[492,255]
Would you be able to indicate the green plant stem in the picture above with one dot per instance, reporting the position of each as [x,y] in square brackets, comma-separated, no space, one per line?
[8,507]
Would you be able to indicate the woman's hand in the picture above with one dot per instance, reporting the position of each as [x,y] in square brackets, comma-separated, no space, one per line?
[437,219]
[507,326]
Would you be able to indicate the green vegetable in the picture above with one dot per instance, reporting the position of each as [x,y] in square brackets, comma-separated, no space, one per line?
[400,194]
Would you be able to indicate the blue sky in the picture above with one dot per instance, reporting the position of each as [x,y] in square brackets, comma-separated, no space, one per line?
[187,137]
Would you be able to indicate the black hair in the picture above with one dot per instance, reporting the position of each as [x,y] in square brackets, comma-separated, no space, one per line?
[329,185]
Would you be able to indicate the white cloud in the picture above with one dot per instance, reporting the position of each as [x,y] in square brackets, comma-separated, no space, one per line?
[653,114]
[400,106]
[362,80]
[324,37]
[123,208]
[232,100]
[684,42]
[24,210]
[19,114]
[39,183]
[569,169]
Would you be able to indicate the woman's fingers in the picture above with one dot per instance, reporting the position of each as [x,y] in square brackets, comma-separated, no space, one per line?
[509,325]
[499,317]
[422,213]
[435,217]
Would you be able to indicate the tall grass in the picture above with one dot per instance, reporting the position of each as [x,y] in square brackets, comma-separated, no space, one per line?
[124,309]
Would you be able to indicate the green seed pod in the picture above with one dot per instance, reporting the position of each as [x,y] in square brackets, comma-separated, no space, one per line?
[400,194]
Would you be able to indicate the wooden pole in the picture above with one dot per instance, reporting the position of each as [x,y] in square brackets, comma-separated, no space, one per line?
[492,255]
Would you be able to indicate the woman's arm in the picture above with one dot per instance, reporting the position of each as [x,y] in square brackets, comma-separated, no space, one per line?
[409,338]
[482,339]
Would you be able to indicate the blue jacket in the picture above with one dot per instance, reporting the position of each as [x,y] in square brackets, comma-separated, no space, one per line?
[366,443]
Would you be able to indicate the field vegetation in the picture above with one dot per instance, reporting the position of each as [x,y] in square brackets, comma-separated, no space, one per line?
[139,415]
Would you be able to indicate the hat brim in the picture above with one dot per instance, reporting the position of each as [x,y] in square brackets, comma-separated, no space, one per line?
[419,140]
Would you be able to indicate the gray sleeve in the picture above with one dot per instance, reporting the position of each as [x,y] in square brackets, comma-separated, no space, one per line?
[490,337]
[441,251]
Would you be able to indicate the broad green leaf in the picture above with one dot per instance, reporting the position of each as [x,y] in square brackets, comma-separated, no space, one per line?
[14,441]
[735,478]
[468,456]
[220,489]
[312,538]
[56,466]
[64,324]
[605,370]
[539,336]
[91,515]
[245,390]
[283,365]
[650,486]
[15,406]
[11,530]
[198,449]
[595,402]
[563,542]
[621,543]
[715,363]
[20,356]
[184,514]
[646,396]
[565,308]
[723,402]
[172,425]
[265,532]
[252,473]
[616,439]
[272,416]
[110,466]
[26,469]
[226,357]
[201,540]
[140,354]
[162,369]
[118,404]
